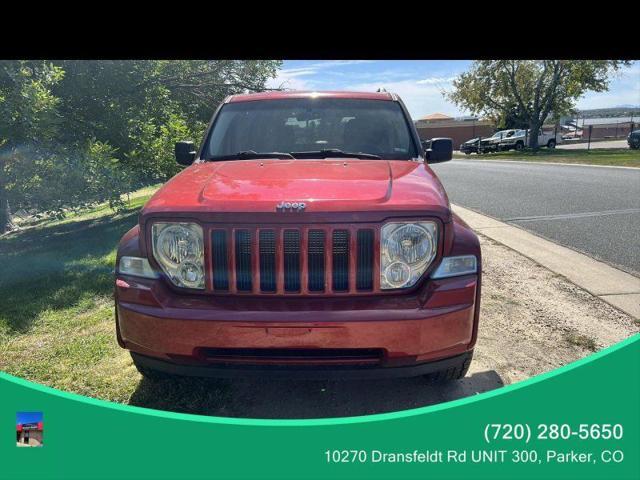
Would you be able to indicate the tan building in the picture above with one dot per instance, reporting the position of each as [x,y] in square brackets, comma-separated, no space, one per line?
[458,129]
[435,118]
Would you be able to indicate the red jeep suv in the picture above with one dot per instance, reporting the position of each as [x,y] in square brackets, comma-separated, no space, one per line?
[307,237]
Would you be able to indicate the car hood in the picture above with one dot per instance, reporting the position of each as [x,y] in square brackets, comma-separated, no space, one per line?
[325,185]
[472,141]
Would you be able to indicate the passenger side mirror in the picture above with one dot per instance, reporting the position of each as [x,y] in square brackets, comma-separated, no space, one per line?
[185,153]
[440,150]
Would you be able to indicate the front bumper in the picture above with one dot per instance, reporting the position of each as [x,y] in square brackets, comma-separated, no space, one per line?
[434,323]
[299,372]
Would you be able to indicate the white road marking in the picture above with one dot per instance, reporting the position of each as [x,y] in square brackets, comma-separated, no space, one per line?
[527,162]
[573,215]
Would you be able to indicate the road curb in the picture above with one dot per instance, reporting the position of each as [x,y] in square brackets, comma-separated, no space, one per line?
[532,162]
[617,288]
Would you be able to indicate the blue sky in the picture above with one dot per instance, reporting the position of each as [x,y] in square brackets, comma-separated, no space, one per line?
[28,417]
[420,83]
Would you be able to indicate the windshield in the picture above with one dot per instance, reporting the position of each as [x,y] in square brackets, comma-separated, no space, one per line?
[304,125]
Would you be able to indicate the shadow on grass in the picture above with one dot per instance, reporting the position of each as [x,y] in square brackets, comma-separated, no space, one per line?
[57,267]
[264,398]
[44,238]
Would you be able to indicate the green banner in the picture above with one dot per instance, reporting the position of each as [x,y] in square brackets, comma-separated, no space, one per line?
[580,421]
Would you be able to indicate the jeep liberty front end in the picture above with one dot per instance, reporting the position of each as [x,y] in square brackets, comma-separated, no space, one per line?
[307,237]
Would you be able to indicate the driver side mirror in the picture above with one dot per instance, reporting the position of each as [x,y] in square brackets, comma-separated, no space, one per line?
[185,153]
[439,150]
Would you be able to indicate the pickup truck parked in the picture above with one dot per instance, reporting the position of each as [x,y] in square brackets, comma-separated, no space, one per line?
[520,139]
[485,145]
[492,144]
[307,236]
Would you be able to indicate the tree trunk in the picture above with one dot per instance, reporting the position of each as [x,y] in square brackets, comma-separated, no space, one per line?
[533,134]
[5,214]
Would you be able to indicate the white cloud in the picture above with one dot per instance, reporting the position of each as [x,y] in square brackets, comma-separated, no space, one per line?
[290,77]
[421,98]
[287,80]
[421,94]
[624,89]
[422,89]
[436,81]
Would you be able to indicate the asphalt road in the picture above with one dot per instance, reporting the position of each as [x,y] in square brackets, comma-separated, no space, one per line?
[595,210]
[595,145]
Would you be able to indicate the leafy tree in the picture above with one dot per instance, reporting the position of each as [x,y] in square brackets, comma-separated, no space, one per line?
[200,85]
[76,132]
[533,88]
[511,118]
[28,121]
[142,107]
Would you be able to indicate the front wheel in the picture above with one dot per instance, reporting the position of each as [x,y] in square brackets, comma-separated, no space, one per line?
[455,372]
[519,146]
[551,144]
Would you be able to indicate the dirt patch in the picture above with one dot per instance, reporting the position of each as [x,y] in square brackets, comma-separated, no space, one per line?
[533,320]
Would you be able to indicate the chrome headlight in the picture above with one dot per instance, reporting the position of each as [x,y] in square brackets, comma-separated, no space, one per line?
[406,250]
[178,248]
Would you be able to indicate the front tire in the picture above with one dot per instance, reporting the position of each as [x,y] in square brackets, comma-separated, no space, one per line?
[519,146]
[456,372]
[551,144]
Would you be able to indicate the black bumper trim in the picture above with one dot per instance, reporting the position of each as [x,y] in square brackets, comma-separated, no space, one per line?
[297,372]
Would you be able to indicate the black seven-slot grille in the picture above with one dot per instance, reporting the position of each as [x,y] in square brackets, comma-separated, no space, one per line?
[306,260]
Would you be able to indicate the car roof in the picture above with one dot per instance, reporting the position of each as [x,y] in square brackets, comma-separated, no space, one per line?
[279,95]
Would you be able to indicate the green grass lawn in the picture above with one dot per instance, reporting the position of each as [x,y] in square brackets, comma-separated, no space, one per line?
[57,322]
[622,157]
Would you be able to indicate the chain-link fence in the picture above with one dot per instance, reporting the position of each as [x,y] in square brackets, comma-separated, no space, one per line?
[584,130]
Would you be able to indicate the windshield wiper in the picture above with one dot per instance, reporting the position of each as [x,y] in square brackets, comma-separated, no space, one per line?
[334,152]
[249,155]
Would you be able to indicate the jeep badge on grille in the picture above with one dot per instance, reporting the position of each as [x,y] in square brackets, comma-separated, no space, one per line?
[291,207]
